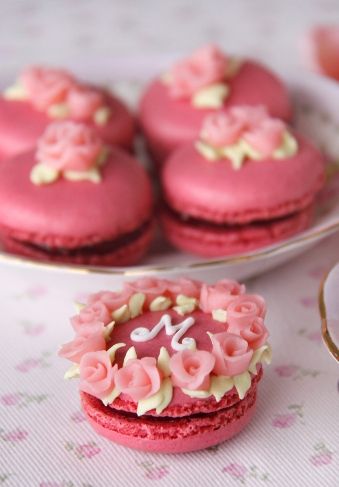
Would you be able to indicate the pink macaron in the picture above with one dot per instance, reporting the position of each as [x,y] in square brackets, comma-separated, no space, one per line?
[248,181]
[42,95]
[173,106]
[169,366]
[74,199]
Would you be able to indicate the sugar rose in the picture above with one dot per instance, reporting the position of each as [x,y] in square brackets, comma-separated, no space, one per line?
[191,369]
[242,310]
[205,67]
[69,146]
[91,339]
[255,333]
[220,295]
[45,86]
[232,354]
[97,311]
[139,378]
[97,374]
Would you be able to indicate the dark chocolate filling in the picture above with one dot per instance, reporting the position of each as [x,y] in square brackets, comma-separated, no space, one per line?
[101,248]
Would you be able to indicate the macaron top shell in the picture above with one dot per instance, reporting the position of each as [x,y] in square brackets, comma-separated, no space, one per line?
[263,189]
[21,125]
[69,213]
[178,120]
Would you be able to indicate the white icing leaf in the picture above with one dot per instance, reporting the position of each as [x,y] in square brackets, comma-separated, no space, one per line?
[130,355]
[219,315]
[108,330]
[122,314]
[111,351]
[42,174]
[220,385]
[58,110]
[207,151]
[212,96]
[73,372]
[159,401]
[288,147]
[15,92]
[136,303]
[78,306]
[163,362]
[102,115]
[197,394]
[262,354]
[93,175]
[160,303]
[110,397]
[242,383]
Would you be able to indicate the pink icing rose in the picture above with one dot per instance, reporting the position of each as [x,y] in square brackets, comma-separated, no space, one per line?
[221,129]
[321,50]
[252,124]
[266,136]
[139,378]
[69,146]
[45,86]
[97,376]
[205,67]
[97,311]
[83,101]
[255,333]
[191,369]
[243,309]
[152,288]
[112,300]
[232,354]
[90,339]
[220,295]
[183,286]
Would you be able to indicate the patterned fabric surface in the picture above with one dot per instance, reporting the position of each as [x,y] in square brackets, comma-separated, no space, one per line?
[45,441]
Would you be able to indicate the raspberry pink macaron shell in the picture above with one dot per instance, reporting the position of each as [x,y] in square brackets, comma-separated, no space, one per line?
[109,222]
[169,377]
[168,123]
[21,125]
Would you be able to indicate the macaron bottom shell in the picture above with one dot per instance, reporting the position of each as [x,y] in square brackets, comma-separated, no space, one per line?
[122,251]
[210,240]
[177,435]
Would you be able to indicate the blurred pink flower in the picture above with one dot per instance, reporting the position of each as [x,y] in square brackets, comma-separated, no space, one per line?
[10,399]
[321,50]
[284,420]
[286,370]
[323,458]
[236,470]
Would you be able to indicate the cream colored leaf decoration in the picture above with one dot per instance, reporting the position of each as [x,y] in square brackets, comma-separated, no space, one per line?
[196,394]
[78,306]
[160,303]
[262,354]
[42,174]
[102,115]
[59,110]
[135,304]
[73,372]
[220,385]
[110,397]
[108,330]
[93,175]
[219,315]
[131,354]
[122,314]
[15,92]
[111,351]
[159,401]
[207,151]
[242,383]
[163,362]
[211,96]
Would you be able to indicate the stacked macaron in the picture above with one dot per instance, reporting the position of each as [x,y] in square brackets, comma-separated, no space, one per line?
[73,198]
[169,366]
[247,181]
[42,95]
[174,106]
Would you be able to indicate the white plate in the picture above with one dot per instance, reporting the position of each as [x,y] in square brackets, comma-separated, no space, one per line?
[316,100]
[329,311]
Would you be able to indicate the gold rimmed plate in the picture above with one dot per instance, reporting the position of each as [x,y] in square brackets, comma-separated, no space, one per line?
[329,311]
[316,99]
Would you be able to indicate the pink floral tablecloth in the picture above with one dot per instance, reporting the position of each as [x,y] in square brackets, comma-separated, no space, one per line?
[45,441]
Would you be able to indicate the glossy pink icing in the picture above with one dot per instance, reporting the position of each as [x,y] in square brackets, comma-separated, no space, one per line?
[220,295]
[97,374]
[168,123]
[69,146]
[259,191]
[205,66]
[191,369]
[252,124]
[139,378]
[46,86]
[21,125]
[232,354]
[63,213]
[83,101]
